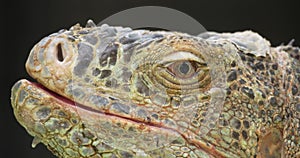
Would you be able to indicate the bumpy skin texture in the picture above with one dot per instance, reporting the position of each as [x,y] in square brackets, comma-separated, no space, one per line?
[115,92]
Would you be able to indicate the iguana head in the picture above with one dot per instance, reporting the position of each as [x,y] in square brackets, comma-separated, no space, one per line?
[105,91]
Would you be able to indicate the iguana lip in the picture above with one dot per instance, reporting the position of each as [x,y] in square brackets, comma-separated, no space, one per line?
[70,103]
[55,95]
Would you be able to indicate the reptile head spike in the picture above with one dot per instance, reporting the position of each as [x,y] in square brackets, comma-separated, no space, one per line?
[90,23]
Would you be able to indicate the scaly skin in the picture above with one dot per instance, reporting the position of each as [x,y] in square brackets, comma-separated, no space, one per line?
[114,92]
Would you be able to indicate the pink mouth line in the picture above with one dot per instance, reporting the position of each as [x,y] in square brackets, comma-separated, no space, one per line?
[75,104]
[71,103]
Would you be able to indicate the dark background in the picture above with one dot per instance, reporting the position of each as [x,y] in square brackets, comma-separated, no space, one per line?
[26,22]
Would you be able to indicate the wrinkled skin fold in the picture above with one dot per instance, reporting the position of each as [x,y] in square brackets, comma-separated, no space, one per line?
[105,91]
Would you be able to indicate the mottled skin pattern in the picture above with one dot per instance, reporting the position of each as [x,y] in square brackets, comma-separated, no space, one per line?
[107,91]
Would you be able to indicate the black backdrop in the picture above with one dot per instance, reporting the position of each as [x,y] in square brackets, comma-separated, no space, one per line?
[26,22]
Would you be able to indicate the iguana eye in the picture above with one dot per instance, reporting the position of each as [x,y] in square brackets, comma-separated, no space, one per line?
[183,69]
[182,72]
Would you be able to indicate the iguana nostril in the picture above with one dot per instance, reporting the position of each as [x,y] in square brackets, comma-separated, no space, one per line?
[60,55]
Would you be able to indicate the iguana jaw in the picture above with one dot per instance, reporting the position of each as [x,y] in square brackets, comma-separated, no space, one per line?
[28,104]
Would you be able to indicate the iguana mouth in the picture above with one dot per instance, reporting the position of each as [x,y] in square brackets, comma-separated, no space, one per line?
[25,91]
[68,102]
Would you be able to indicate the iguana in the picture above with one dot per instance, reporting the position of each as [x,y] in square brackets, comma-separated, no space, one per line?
[105,91]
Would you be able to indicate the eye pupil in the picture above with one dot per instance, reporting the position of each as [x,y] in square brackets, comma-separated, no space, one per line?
[184,68]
